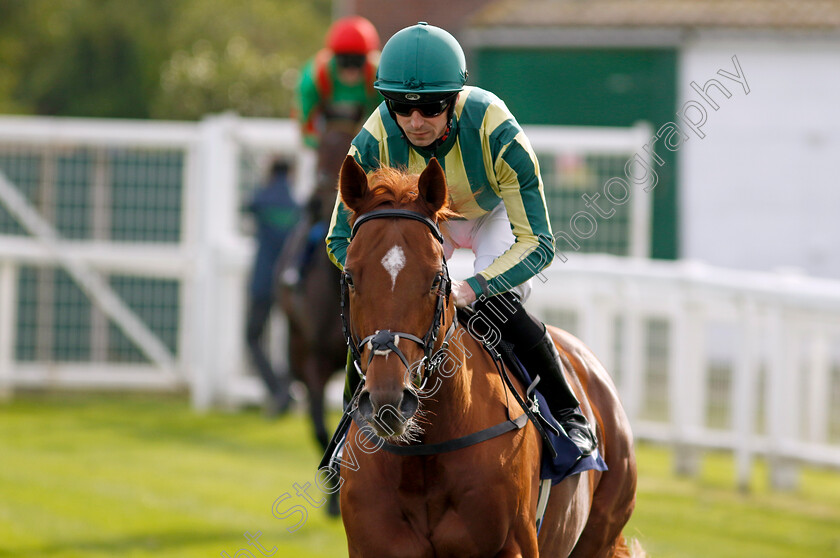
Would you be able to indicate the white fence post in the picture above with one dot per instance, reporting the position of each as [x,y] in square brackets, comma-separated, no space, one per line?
[686,369]
[641,202]
[819,392]
[596,324]
[783,401]
[215,194]
[190,313]
[632,363]
[745,393]
[8,312]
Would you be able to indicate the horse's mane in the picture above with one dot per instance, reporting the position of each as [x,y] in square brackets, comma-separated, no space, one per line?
[397,188]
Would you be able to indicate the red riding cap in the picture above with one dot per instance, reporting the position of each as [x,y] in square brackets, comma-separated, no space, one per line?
[352,35]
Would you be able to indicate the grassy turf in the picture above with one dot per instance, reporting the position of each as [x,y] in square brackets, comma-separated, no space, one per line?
[143,476]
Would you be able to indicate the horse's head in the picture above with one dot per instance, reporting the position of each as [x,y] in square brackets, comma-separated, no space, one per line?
[332,148]
[397,287]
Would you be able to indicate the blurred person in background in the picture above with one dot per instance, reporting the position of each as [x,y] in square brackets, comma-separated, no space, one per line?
[335,88]
[275,213]
[337,83]
[494,183]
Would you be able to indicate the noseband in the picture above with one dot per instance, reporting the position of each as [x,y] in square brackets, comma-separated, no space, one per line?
[386,340]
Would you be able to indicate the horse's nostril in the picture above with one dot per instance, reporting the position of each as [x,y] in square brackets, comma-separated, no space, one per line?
[409,404]
[365,405]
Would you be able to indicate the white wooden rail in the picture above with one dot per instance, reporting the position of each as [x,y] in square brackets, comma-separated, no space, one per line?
[783,328]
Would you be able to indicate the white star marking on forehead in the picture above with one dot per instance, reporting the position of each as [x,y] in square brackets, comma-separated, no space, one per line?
[393,262]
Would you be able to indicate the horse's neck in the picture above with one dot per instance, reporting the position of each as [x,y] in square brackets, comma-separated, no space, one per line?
[344,127]
[334,146]
[325,196]
[461,386]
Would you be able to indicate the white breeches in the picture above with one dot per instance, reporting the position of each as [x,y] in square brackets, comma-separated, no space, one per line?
[488,237]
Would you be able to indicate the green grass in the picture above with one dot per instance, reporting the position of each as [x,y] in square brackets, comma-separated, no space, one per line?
[143,476]
[706,516]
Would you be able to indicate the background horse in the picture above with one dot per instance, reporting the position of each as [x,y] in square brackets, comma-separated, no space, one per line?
[316,345]
[479,500]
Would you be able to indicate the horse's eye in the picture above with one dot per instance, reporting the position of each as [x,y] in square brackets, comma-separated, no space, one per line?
[348,280]
[436,282]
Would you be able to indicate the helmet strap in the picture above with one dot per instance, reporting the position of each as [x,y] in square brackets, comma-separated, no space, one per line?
[444,137]
[451,113]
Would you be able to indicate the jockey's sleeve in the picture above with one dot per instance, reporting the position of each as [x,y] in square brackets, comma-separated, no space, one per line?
[307,101]
[517,180]
[338,237]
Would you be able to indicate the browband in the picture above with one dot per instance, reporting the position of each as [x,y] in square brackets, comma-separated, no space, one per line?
[402,213]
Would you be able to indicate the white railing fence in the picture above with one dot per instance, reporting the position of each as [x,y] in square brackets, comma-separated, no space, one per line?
[711,358]
[124,255]
[124,252]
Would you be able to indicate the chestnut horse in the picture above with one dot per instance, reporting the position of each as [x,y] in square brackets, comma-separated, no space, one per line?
[428,383]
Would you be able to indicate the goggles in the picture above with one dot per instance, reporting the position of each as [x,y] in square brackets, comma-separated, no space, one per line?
[346,61]
[427,109]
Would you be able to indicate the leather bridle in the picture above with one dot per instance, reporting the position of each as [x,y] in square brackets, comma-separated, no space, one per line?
[384,340]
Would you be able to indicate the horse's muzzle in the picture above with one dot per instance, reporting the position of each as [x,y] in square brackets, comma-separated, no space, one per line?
[388,413]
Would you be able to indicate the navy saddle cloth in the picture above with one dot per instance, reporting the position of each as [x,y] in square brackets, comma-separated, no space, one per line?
[569,460]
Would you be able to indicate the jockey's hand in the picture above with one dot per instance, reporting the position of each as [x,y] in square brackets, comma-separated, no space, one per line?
[462,294]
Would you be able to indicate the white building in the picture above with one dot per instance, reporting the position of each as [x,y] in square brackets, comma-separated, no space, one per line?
[760,190]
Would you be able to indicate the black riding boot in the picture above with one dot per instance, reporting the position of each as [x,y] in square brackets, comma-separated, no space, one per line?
[544,360]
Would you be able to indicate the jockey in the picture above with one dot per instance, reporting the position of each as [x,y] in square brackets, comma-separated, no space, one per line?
[335,85]
[338,81]
[494,183]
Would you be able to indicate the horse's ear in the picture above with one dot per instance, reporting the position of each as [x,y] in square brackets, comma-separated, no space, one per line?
[432,185]
[352,183]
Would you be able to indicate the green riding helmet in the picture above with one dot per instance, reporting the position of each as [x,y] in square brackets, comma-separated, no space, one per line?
[420,62]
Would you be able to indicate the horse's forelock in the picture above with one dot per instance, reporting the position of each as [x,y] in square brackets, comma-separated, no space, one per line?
[398,188]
